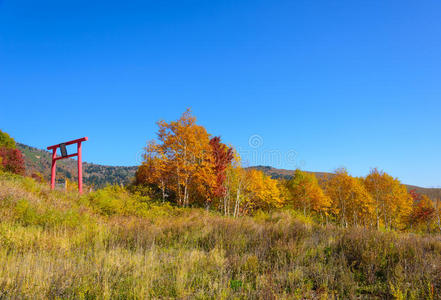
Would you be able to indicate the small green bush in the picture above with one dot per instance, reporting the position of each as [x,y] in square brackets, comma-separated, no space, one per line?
[114,199]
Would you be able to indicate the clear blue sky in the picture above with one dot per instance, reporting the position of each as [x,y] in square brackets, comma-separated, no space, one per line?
[341,83]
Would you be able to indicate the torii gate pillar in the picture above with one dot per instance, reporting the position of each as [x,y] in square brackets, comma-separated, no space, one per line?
[62,147]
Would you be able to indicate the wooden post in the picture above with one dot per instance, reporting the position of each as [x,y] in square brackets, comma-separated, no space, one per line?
[53,168]
[80,169]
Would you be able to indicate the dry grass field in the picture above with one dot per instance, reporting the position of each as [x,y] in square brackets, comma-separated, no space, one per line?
[113,245]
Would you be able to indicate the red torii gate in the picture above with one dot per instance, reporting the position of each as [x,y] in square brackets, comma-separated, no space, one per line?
[63,151]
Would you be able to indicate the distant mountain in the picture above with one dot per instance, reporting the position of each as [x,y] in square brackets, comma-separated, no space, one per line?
[96,176]
[285,174]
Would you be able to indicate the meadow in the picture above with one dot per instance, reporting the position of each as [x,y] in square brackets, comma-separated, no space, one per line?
[112,244]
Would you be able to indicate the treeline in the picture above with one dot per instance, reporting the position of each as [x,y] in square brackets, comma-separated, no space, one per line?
[189,167]
[98,176]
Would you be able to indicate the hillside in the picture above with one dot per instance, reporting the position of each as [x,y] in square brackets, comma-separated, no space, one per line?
[110,244]
[285,174]
[94,175]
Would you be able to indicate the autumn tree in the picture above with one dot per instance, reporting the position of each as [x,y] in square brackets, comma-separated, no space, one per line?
[392,201]
[222,156]
[351,203]
[154,170]
[261,191]
[423,211]
[11,160]
[248,190]
[181,161]
[306,194]
[235,184]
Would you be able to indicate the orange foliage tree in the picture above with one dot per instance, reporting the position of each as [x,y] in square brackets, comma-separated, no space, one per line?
[181,161]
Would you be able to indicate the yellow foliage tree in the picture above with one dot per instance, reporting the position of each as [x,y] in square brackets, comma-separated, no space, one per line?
[392,201]
[261,191]
[305,193]
[234,186]
[351,203]
[248,190]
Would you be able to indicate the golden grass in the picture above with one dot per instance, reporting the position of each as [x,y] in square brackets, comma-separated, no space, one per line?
[62,246]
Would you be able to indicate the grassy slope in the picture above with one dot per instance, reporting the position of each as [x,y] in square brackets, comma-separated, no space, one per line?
[110,244]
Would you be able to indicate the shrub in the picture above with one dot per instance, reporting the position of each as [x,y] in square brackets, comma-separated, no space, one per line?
[37,176]
[12,160]
[6,141]
[114,199]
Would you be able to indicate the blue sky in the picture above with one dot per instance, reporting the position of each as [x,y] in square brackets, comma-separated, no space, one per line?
[320,84]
